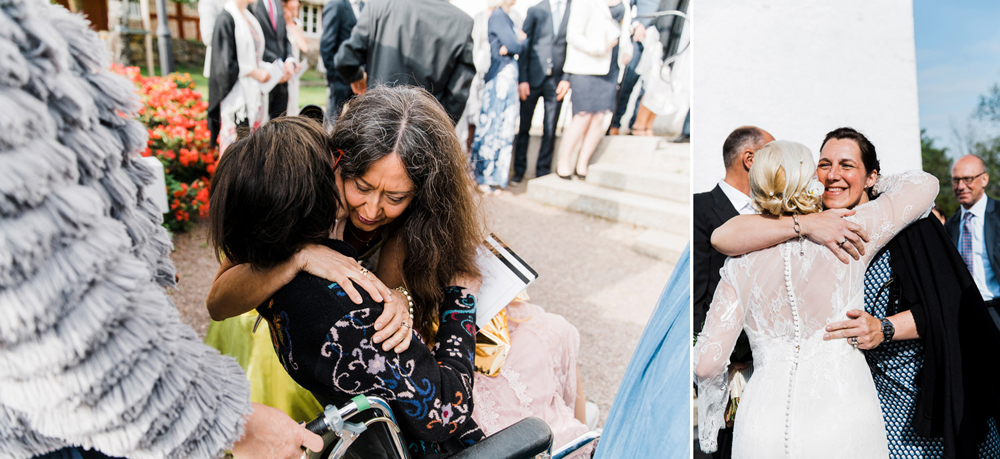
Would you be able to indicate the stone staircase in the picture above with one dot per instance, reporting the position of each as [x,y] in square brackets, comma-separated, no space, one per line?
[644,181]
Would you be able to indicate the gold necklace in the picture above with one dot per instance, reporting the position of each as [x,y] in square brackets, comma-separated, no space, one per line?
[355,234]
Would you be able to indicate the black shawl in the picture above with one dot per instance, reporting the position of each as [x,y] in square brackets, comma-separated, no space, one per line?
[958,384]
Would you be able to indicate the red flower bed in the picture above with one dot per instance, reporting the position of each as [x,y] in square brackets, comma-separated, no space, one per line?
[177,120]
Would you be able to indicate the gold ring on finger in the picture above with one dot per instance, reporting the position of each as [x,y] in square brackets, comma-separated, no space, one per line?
[364,271]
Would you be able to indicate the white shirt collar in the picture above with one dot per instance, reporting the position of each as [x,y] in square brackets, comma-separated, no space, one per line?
[978,209]
[740,201]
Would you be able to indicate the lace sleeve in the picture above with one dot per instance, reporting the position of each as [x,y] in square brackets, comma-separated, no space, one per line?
[711,360]
[902,199]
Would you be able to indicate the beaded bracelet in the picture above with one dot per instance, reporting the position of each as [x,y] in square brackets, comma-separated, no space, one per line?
[798,231]
[409,299]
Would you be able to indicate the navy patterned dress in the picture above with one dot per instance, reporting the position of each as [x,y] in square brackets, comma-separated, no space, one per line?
[323,341]
[895,366]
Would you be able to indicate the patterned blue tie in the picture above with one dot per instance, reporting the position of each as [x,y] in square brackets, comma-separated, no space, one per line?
[965,241]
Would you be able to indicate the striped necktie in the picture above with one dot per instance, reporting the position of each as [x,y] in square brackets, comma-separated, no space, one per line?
[965,241]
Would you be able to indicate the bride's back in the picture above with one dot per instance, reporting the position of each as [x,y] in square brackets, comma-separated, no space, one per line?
[792,291]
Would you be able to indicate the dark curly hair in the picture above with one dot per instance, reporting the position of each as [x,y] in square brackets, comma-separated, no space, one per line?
[274,191]
[442,227]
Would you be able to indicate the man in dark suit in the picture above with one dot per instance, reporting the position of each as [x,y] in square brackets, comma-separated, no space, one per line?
[425,43]
[338,21]
[975,228]
[271,17]
[731,197]
[541,75]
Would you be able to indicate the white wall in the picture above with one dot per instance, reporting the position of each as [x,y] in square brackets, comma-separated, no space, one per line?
[800,69]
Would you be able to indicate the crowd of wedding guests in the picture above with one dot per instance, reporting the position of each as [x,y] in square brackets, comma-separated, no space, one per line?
[929,316]
[488,72]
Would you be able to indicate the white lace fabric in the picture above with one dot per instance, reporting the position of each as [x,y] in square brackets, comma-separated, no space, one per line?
[807,397]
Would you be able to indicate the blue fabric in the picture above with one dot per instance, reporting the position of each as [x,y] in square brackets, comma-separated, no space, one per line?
[493,145]
[650,415]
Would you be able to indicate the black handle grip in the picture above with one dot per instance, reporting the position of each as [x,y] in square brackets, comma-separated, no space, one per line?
[318,426]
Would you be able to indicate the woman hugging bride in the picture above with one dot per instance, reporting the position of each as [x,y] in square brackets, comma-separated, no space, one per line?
[807,397]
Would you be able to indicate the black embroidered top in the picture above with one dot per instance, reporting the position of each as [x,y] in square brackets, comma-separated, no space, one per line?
[324,342]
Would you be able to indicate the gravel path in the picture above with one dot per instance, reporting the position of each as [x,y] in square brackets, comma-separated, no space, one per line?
[587,272]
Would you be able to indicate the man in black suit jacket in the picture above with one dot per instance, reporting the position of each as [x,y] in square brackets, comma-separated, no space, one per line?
[270,15]
[541,75]
[968,181]
[425,43]
[338,21]
[731,197]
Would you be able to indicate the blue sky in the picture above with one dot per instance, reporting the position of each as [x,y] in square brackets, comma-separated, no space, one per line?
[958,59]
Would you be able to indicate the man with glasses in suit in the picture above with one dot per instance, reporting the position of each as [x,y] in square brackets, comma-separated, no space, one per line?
[541,76]
[975,228]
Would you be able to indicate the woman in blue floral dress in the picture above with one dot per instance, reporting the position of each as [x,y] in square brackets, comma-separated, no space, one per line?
[497,124]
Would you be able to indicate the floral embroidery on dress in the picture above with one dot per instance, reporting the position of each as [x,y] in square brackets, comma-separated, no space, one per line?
[429,391]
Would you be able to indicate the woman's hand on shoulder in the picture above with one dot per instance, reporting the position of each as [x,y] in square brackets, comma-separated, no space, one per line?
[844,238]
[334,266]
[395,326]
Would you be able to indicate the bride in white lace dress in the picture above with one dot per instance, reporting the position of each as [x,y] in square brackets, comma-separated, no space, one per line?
[807,398]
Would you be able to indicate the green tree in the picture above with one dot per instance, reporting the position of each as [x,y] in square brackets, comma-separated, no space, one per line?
[937,163]
[989,150]
[988,112]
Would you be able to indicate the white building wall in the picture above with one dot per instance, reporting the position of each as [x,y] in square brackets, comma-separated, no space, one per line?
[800,69]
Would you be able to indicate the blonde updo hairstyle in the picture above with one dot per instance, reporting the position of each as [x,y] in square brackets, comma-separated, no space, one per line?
[780,177]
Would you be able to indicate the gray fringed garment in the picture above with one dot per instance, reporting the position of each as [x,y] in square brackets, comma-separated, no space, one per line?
[92,351]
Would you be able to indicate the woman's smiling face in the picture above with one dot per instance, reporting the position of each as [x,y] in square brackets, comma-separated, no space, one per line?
[380,195]
[843,174]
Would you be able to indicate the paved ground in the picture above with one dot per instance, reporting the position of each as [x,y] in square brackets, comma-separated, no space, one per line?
[587,272]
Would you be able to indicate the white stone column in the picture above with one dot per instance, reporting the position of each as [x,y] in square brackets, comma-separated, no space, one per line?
[801,69]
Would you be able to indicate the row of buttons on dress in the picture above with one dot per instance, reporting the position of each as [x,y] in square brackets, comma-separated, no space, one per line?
[795,355]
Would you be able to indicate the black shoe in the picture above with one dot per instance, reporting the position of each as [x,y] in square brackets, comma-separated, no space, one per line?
[683,138]
[517,179]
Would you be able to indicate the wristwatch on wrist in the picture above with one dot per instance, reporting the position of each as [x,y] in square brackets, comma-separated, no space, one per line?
[887,329]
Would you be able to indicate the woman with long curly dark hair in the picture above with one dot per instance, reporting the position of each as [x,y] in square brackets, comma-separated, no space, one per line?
[427,209]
